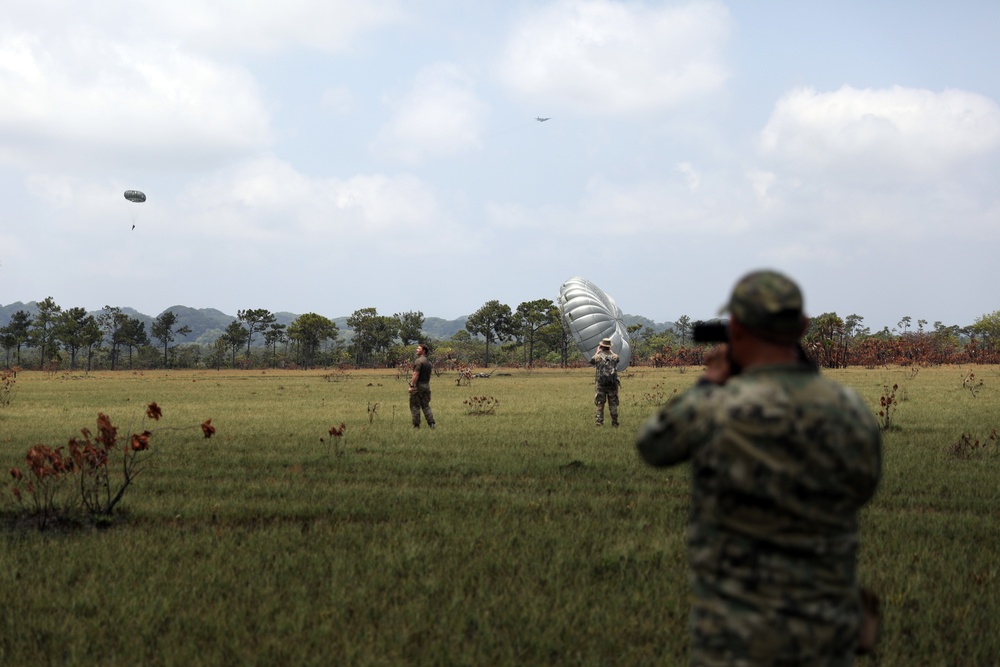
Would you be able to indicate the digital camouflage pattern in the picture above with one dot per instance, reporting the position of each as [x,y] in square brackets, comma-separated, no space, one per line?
[782,459]
[606,372]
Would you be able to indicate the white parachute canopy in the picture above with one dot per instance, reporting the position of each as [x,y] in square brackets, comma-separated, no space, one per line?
[590,315]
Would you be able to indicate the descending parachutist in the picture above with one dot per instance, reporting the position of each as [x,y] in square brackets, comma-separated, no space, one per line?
[135,198]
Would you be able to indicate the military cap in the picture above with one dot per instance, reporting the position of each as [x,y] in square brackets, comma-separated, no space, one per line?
[768,304]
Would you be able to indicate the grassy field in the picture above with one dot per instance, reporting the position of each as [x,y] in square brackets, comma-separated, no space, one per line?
[523,537]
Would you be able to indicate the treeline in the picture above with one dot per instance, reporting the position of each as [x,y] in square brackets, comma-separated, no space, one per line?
[835,342]
[54,338]
[532,334]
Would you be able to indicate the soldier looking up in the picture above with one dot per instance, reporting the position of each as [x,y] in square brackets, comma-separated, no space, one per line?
[420,387]
[606,372]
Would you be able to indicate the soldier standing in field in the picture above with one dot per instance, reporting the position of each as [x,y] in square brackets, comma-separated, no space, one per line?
[420,387]
[782,460]
[606,363]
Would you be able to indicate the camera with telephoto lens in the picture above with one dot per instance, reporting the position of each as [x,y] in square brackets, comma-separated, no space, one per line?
[718,332]
[715,332]
[711,332]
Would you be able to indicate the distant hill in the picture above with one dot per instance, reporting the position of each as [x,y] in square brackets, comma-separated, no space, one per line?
[646,323]
[6,312]
[440,329]
[208,324]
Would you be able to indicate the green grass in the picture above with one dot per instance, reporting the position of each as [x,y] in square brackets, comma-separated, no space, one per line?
[524,537]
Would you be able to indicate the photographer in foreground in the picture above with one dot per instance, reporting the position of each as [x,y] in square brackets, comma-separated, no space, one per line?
[782,460]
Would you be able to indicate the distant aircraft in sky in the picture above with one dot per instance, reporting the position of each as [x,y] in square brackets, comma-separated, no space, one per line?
[541,120]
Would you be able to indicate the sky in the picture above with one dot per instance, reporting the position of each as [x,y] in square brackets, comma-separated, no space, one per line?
[331,155]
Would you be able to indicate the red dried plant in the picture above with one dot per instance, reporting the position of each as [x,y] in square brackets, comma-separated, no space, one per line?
[56,484]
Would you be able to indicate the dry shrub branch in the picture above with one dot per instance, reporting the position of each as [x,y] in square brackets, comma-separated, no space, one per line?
[481,405]
[89,476]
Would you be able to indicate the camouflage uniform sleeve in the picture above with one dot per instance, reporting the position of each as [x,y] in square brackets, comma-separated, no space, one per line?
[669,437]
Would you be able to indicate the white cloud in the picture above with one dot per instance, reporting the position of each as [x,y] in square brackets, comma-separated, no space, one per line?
[886,134]
[547,222]
[691,175]
[603,57]
[893,165]
[649,209]
[799,253]
[211,25]
[269,199]
[439,116]
[761,182]
[124,83]
[665,207]
[110,102]
[264,25]
[339,99]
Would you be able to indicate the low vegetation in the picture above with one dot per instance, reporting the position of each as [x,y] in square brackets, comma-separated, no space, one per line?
[481,405]
[318,527]
[86,479]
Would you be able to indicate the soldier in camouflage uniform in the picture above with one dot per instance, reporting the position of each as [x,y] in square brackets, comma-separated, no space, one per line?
[781,459]
[606,363]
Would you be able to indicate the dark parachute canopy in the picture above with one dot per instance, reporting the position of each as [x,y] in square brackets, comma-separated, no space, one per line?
[135,198]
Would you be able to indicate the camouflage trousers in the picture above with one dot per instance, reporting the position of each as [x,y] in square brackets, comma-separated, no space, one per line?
[725,635]
[420,400]
[609,395]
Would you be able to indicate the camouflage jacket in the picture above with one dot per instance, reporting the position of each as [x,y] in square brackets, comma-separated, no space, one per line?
[782,459]
[606,372]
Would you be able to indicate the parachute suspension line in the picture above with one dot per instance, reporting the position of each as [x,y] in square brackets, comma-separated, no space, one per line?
[134,198]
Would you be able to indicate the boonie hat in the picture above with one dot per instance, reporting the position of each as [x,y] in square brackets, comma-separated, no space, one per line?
[769,304]
[606,342]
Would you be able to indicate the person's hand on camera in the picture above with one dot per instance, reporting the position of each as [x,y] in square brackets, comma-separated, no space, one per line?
[717,366]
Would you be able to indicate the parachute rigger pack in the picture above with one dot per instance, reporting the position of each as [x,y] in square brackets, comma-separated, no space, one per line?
[591,314]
